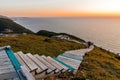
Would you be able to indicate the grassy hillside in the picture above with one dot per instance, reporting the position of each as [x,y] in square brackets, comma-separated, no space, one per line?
[50,34]
[6,23]
[100,64]
[39,44]
[46,33]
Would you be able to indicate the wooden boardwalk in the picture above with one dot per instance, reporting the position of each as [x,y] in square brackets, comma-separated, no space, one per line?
[46,66]
[34,67]
[7,70]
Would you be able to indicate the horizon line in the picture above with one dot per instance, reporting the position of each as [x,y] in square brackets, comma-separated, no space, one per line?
[67,16]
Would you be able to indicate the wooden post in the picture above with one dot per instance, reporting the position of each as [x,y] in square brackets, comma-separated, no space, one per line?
[52,78]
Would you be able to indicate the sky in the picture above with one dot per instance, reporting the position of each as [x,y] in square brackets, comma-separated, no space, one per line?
[60,7]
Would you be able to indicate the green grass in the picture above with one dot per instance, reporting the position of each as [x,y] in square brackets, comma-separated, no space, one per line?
[39,44]
[6,23]
[100,64]
[51,34]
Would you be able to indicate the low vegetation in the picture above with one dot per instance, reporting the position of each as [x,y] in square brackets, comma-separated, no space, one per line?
[39,44]
[6,23]
[99,64]
[50,34]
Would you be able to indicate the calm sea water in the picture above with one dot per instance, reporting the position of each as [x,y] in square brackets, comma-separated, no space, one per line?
[104,32]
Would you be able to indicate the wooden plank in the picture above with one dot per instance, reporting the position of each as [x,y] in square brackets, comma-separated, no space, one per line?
[70,67]
[38,68]
[79,54]
[74,63]
[58,65]
[72,56]
[22,62]
[26,73]
[5,63]
[28,62]
[41,66]
[50,67]
[11,75]
[6,68]
[75,55]
[41,76]
[52,63]
[36,60]
[3,54]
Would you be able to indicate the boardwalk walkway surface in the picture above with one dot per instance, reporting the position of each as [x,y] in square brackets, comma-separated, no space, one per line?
[7,70]
[20,66]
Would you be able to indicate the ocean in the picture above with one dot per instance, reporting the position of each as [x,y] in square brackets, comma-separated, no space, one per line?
[104,32]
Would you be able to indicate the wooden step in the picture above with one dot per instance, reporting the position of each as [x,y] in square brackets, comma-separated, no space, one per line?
[72,62]
[41,66]
[31,65]
[51,68]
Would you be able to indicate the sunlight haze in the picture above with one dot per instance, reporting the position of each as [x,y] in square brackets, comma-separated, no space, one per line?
[60,7]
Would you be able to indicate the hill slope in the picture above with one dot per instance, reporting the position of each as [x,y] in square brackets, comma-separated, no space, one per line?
[6,23]
[39,44]
[50,34]
[98,64]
